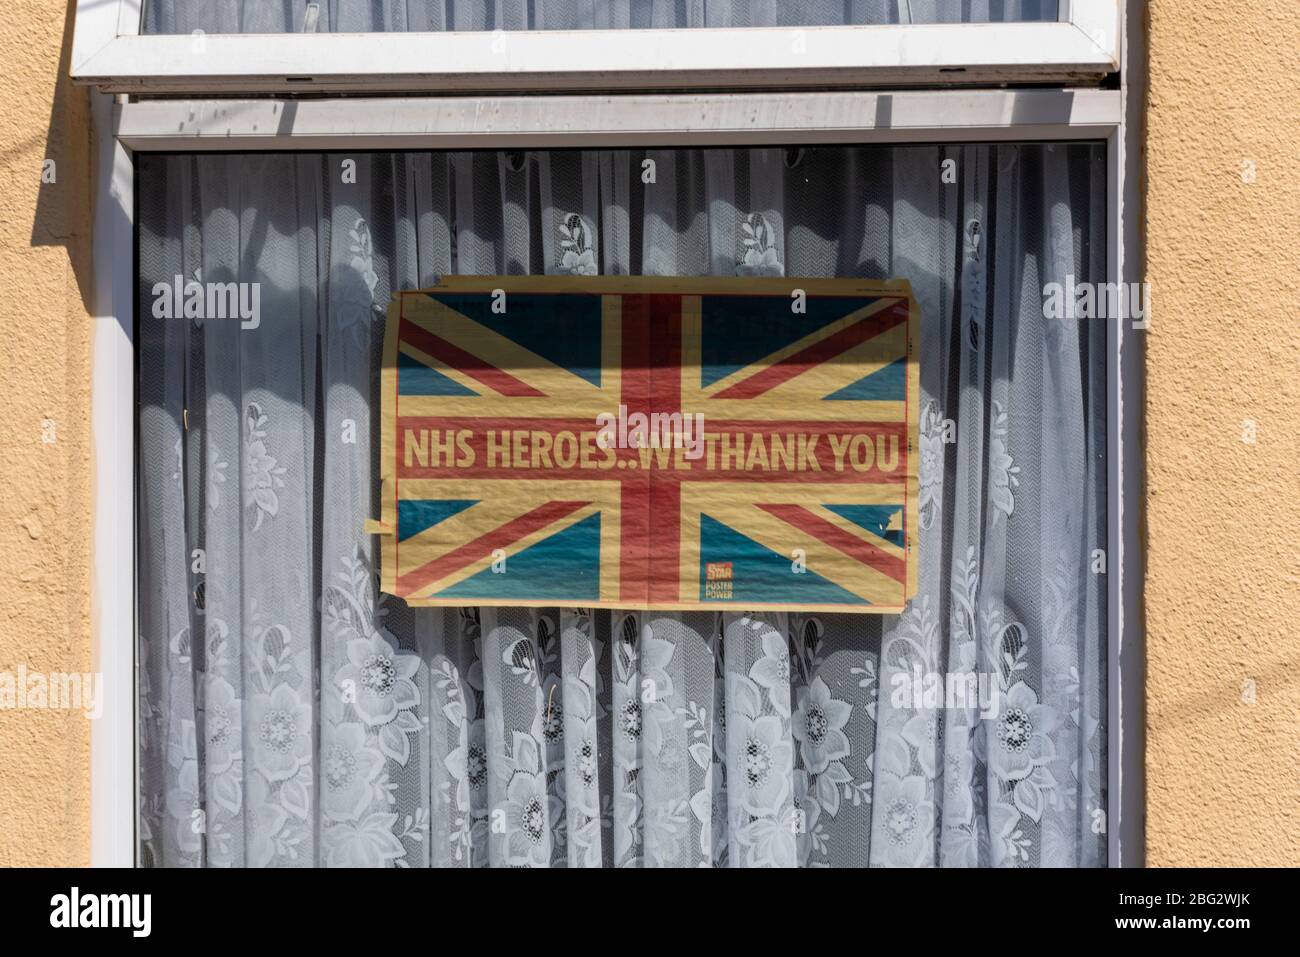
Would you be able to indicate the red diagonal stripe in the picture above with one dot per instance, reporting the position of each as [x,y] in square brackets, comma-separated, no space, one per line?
[836,537]
[494,378]
[663,559]
[634,495]
[817,353]
[499,537]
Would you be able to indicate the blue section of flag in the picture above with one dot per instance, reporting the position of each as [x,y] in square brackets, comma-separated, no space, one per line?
[888,384]
[563,329]
[737,331]
[874,518]
[414,515]
[563,566]
[416,378]
[761,575]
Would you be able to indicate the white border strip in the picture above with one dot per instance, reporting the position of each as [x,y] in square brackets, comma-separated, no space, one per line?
[616,121]
[113,586]
[1099,21]
[1126,658]
[558,60]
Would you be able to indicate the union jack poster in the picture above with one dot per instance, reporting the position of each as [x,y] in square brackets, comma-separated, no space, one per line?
[651,443]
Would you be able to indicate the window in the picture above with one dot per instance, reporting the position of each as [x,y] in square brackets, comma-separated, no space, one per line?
[240,464]
[273,677]
[179,47]
[186,16]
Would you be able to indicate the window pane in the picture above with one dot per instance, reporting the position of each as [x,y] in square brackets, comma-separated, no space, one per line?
[369,16]
[304,719]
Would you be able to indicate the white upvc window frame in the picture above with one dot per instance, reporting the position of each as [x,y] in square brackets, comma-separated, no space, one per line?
[1081,46]
[647,119]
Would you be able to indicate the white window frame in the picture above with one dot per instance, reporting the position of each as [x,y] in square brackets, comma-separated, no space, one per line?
[108,50]
[788,117]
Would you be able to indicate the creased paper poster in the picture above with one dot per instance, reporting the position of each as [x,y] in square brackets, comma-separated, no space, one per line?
[651,443]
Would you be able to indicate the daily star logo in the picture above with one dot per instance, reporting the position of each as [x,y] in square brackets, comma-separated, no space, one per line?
[103,910]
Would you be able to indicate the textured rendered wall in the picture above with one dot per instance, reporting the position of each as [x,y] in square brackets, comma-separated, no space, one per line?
[45,452]
[1223,517]
[1223,580]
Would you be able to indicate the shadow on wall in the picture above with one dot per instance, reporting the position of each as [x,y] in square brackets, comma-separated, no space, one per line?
[64,204]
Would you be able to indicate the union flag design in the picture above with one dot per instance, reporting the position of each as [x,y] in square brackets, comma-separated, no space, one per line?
[651,443]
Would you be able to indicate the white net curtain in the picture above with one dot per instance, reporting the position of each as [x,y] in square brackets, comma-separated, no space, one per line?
[378,16]
[292,716]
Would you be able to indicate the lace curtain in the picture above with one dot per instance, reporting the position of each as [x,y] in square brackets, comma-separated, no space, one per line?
[396,16]
[291,716]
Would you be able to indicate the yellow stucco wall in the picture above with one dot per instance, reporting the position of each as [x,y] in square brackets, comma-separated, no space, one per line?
[1223,516]
[45,448]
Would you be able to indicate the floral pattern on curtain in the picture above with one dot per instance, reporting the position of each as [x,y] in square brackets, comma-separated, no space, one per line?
[292,716]
[398,16]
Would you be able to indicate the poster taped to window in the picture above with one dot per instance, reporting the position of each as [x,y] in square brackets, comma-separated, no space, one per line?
[651,443]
